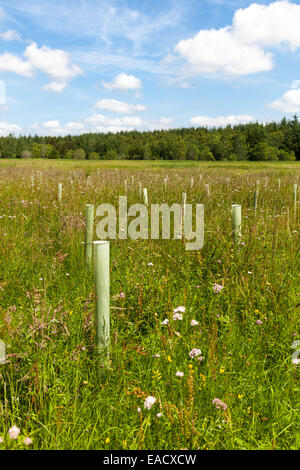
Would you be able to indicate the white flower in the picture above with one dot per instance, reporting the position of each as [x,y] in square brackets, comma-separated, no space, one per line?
[194,323]
[179,309]
[177,316]
[159,415]
[179,374]
[149,402]
[14,432]
[165,322]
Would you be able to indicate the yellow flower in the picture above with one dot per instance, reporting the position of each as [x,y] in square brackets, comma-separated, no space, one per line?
[156,375]
[222,370]
[190,366]
[240,396]
[169,359]
[107,440]
[256,312]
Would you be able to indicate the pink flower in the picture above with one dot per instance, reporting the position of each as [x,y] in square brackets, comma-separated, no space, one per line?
[219,404]
[159,415]
[122,295]
[14,432]
[259,322]
[217,288]
[194,352]
[27,441]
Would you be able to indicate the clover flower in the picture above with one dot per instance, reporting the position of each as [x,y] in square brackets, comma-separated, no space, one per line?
[219,404]
[14,432]
[217,288]
[194,353]
[149,402]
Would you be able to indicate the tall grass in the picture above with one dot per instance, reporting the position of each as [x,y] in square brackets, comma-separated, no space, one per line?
[53,387]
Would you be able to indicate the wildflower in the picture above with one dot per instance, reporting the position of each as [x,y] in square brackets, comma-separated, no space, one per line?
[194,323]
[156,375]
[139,410]
[165,322]
[150,264]
[122,295]
[14,432]
[169,358]
[240,396]
[219,404]
[179,374]
[194,353]
[27,441]
[177,316]
[159,415]
[156,355]
[222,370]
[179,309]
[259,322]
[256,312]
[149,402]
[177,333]
[217,288]
[107,440]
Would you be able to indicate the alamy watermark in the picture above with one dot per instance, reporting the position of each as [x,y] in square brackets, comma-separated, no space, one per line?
[133,222]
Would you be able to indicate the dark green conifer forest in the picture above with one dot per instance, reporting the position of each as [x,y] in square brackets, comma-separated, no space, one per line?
[253,142]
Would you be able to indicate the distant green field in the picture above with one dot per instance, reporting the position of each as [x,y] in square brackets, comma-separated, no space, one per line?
[144,164]
[239,304]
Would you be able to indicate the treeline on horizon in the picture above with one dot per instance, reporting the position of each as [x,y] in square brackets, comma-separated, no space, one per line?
[254,142]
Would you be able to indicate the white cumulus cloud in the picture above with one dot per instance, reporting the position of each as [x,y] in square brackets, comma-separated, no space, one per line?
[13,64]
[10,35]
[242,48]
[6,128]
[220,121]
[123,82]
[119,106]
[56,87]
[289,101]
[100,119]
[269,25]
[53,62]
[212,51]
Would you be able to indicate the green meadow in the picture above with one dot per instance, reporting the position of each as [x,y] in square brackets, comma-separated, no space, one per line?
[208,334]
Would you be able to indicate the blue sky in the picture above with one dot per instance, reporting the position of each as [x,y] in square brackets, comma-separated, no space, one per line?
[68,67]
